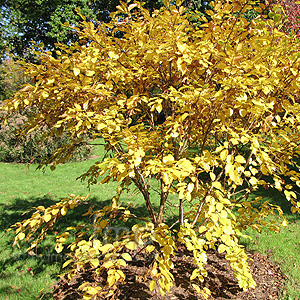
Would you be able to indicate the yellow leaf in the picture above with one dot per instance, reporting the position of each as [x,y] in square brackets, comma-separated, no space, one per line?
[121,263]
[55,211]
[59,247]
[94,262]
[106,248]
[120,274]
[20,236]
[132,6]
[149,55]
[127,257]
[131,245]
[206,292]
[66,263]
[208,236]
[222,248]
[182,47]
[294,209]
[253,180]
[63,211]
[152,285]
[202,229]
[108,264]
[45,94]
[91,290]
[150,248]
[226,239]
[224,154]
[196,287]
[76,71]
[219,206]
[113,55]
[212,176]
[111,280]
[90,73]
[190,187]
[186,165]
[243,112]
[159,107]
[195,274]
[267,89]
[47,217]
[264,169]
[166,179]
[240,159]
[217,185]
[168,159]
[121,9]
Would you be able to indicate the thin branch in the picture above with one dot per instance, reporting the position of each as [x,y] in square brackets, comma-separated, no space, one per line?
[201,206]
[181,213]
[174,224]
[163,198]
[208,192]
[141,184]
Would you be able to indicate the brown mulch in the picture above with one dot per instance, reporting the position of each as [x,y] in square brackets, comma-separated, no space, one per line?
[220,281]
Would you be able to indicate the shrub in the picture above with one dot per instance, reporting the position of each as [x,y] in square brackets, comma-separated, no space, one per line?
[292,15]
[34,147]
[11,77]
[196,117]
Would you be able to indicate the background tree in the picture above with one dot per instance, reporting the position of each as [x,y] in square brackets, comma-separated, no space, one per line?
[230,126]
[44,21]
[41,21]
[11,77]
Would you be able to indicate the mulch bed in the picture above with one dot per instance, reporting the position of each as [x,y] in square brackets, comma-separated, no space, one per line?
[220,281]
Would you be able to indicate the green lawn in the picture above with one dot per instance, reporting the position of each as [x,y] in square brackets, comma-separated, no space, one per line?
[23,276]
[283,247]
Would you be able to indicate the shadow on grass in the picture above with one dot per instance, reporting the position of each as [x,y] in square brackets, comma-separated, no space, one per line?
[44,254]
[21,209]
[277,198]
[43,259]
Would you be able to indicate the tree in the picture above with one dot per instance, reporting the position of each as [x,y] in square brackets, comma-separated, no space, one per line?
[197,117]
[43,21]
[11,77]
[40,21]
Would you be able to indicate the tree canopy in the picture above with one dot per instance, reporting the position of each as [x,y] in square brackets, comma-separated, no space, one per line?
[197,118]
[44,21]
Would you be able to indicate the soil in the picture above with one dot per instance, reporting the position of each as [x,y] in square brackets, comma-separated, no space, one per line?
[221,281]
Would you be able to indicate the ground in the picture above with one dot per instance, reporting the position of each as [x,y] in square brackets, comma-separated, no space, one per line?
[220,281]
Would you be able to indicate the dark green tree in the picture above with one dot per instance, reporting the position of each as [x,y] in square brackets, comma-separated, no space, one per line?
[45,20]
[40,21]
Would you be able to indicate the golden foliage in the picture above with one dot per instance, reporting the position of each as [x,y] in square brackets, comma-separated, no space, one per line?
[209,113]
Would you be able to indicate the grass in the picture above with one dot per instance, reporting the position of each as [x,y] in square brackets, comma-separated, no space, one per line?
[23,276]
[282,248]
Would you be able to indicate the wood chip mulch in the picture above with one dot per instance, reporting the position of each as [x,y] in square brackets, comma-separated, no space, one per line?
[220,281]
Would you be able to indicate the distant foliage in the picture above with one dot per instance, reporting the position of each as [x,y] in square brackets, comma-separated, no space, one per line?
[292,12]
[21,148]
[11,77]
